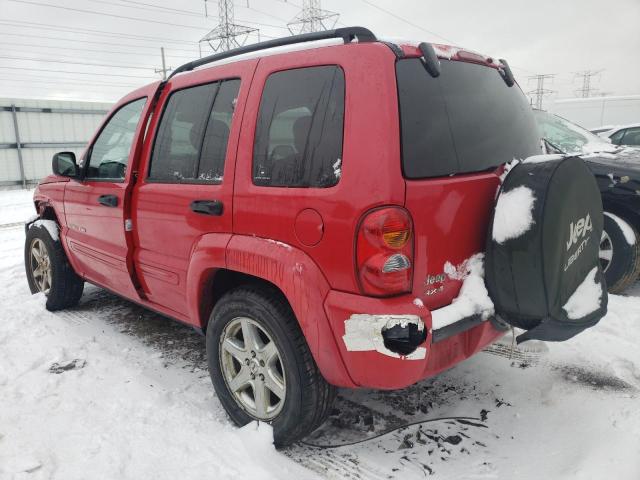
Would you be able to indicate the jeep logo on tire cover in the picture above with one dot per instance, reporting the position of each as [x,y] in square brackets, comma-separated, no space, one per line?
[579,230]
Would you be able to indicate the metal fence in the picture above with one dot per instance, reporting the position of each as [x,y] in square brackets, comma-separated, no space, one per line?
[31,131]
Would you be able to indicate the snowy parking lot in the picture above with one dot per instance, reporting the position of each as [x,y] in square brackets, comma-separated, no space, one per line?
[108,390]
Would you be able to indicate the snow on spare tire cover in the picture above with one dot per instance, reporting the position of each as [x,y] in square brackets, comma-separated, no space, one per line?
[542,268]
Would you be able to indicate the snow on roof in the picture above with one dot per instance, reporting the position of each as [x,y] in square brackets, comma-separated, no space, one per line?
[630,125]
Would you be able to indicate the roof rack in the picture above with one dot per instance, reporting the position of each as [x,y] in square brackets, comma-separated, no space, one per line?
[348,34]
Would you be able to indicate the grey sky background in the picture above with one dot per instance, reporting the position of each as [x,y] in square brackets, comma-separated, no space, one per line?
[545,36]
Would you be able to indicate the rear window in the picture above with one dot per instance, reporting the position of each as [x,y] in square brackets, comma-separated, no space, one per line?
[466,120]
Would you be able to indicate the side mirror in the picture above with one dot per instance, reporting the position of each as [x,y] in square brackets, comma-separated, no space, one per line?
[64,164]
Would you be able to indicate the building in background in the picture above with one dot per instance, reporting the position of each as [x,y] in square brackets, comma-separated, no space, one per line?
[594,112]
[31,131]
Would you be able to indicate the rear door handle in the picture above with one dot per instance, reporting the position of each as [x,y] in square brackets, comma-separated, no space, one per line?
[108,200]
[207,207]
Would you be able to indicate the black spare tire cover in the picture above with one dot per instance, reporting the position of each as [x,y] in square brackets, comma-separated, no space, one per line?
[531,276]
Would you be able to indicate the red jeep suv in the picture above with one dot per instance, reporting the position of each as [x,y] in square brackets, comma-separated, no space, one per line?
[308,209]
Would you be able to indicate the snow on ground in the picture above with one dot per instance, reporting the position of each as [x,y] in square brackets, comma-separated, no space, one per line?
[108,390]
[16,206]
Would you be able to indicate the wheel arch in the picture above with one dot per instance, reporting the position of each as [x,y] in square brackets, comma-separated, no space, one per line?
[226,263]
[46,211]
[624,213]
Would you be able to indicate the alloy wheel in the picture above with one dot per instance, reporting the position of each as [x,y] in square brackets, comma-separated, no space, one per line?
[606,251]
[252,368]
[40,265]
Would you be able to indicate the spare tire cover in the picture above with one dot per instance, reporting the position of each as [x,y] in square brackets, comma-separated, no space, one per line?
[546,278]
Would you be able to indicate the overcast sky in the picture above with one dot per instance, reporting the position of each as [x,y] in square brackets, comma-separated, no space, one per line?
[558,37]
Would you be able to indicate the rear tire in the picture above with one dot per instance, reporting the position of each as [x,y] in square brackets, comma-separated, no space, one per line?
[307,396]
[49,271]
[620,261]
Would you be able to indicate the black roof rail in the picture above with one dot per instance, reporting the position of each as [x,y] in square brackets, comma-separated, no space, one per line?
[348,34]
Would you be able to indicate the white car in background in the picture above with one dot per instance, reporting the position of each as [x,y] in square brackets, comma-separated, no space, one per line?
[623,135]
[603,129]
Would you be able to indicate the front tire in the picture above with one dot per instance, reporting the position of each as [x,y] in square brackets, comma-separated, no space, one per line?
[49,271]
[619,258]
[261,366]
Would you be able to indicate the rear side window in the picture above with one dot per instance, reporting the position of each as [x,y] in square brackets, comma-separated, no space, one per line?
[298,141]
[466,120]
[193,134]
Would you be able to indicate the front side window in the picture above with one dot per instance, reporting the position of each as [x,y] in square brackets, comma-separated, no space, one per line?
[298,141]
[191,142]
[109,155]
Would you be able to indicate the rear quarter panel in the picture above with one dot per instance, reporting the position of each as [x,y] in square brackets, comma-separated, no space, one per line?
[371,173]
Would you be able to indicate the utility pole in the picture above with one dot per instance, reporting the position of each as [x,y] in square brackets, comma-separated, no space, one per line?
[540,92]
[312,18]
[227,34]
[587,89]
[164,68]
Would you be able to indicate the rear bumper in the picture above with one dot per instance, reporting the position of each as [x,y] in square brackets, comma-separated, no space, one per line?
[361,325]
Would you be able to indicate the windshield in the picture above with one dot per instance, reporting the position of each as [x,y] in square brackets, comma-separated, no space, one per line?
[465,120]
[569,137]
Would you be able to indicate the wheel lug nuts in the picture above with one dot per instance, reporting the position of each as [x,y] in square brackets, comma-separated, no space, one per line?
[246,361]
[253,377]
[261,377]
[253,354]
[262,363]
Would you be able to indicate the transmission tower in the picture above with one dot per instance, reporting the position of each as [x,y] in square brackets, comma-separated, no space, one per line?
[312,18]
[540,92]
[587,89]
[227,34]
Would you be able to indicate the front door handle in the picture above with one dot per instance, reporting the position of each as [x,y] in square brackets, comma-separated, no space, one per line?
[207,207]
[108,200]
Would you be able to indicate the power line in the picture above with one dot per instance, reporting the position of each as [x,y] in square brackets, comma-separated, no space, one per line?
[227,34]
[312,18]
[540,92]
[83,50]
[408,22]
[72,62]
[101,74]
[25,79]
[89,41]
[190,13]
[164,70]
[587,89]
[102,33]
[64,58]
[263,13]
[113,15]
[127,17]
[154,8]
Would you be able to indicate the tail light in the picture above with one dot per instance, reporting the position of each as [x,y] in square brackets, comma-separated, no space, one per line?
[384,252]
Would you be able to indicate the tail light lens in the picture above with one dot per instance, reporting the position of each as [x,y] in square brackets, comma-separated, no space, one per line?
[384,252]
